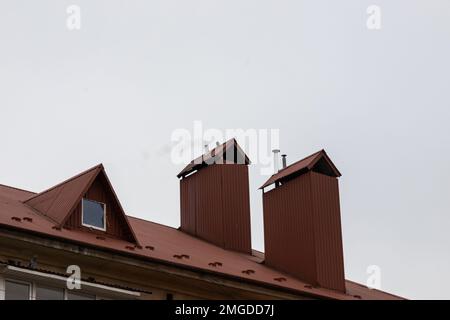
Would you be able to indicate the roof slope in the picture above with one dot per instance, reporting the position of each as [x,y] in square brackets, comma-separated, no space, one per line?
[58,201]
[168,245]
[317,161]
[15,193]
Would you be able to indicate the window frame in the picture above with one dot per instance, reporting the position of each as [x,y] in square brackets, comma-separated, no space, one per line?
[67,292]
[18,281]
[2,288]
[82,215]
[38,285]
[33,284]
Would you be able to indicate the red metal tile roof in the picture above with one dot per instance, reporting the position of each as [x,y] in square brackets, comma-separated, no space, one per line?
[305,164]
[15,193]
[58,201]
[172,246]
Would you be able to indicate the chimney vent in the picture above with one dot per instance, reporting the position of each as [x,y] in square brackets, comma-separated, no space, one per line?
[283,157]
[275,160]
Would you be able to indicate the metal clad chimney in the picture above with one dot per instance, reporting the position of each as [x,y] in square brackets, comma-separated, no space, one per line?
[215,201]
[302,222]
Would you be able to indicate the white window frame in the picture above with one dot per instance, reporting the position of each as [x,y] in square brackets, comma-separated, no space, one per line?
[88,225]
[67,291]
[34,284]
[37,284]
[2,288]
[37,278]
[31,292]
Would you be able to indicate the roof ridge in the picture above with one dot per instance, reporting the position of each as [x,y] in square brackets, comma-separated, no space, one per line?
[273,179]
[307,163]
[294,163]
[217,151]
[99,166]
[221,147]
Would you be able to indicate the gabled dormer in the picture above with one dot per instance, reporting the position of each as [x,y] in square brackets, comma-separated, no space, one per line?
[85,202]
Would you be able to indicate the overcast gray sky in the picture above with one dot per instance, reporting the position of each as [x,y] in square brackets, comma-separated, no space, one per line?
[115,90]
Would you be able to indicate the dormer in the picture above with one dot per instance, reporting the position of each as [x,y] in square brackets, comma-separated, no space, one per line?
[86,202]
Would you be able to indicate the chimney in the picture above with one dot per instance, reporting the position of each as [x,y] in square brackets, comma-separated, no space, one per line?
[302,223]
[215,205]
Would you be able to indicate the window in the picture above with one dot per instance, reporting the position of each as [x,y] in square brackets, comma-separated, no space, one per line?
[49,293]
[17,290]
[93,214]
[79,296]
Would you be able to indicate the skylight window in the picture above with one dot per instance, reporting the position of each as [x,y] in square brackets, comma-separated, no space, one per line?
[93,214]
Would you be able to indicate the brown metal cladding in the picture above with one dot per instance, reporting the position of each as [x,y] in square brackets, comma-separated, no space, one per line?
[302,230]
[188,204]
[327,231]
[209,205]
[116,225]
[215,206]
[236,207]
[288,229]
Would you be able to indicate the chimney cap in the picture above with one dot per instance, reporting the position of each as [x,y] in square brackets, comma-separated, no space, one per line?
[319,161]
[219,152]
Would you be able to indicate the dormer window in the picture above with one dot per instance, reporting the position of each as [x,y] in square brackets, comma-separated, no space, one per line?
[93,214]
